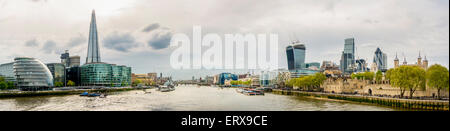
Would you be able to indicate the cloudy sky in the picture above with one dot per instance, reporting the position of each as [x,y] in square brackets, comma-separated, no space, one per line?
[137,32]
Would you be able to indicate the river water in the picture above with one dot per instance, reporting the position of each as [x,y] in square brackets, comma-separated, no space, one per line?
[184,98]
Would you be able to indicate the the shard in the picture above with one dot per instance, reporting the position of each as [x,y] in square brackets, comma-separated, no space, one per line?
[93,55]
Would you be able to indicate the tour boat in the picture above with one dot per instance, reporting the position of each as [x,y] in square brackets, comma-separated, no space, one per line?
[84,94]
[167,87]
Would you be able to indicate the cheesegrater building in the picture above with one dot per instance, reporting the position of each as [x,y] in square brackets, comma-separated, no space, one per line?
[97,73]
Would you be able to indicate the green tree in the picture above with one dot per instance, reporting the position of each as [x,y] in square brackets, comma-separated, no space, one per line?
[11,85]
[3,85]
[308,82]
[70,83]
[407,78]
[136,83]
[438,78]
[378,76]
[58,84]
[2,79]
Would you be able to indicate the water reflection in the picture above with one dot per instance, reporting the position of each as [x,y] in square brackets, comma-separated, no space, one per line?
[185,98]
[30,103]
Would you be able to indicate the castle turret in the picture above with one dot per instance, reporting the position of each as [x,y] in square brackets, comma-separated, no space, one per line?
[425,63]
[396,61]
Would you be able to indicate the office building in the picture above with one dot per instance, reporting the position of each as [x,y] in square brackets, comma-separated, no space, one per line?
[296,53]
[223,77]
[380,59]
[361,65]
[7,71]
[58,72]
[347,64]
[32,74]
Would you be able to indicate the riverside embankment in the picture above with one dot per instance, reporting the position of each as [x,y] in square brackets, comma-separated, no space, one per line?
[435,105]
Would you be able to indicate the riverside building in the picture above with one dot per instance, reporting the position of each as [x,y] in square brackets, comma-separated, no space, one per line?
[296,54]
[58,72]
[7,71]
[32,74]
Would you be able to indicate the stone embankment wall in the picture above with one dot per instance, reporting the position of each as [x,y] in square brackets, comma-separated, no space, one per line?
[436,105]
[362,87]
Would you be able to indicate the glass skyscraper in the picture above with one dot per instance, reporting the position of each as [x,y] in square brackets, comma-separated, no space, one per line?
[361,65]
[296,56]
[97,73]
[380,59]
[93,55]
[348,56]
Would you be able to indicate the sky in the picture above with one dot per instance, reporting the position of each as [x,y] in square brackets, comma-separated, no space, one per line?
[137,33]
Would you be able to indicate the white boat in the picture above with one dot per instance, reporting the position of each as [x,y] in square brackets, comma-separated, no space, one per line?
[167,87]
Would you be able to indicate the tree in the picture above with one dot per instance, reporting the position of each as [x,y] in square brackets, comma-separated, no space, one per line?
[407,78]
[136,82]
[11,85]
[363,76]
[308,82]
[70,83]
[438,78]
[2,79]
[378,76]
[3,85]
[59,84]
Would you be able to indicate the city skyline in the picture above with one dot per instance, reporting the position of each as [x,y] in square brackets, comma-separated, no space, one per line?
[140,40]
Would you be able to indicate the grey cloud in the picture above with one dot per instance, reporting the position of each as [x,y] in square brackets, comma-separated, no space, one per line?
[160,40]
[369,21]
[77,41]
[32,43]
[120,42]
[151,27]
[38,0]
[49,47]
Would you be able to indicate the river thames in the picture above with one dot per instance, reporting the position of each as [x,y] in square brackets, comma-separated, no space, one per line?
[184,98]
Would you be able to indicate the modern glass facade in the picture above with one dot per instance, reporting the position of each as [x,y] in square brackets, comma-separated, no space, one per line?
[296,56]
[93,55]
[267,78]
[303,72]
[32,74]
[74,75]
[226,76]
[102,74]
[313,64]
[7,71]
[380,59]
[121,76]
[58,72]
[361,65]
[348,56]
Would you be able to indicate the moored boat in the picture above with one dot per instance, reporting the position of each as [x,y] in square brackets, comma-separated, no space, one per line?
[250,92]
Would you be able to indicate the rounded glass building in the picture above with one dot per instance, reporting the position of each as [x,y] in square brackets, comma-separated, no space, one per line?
[32,74]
